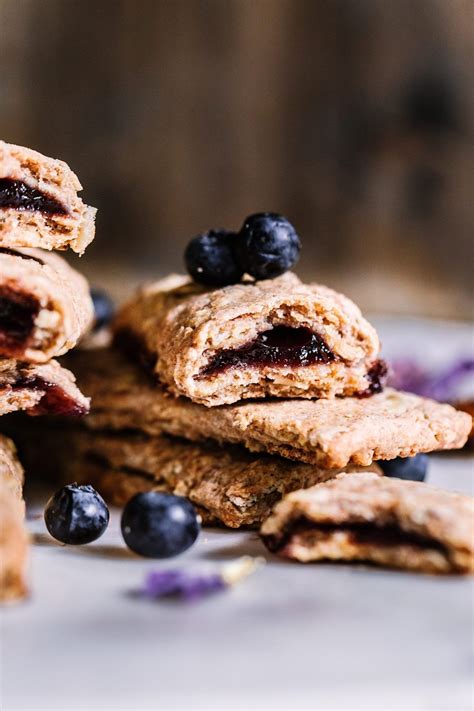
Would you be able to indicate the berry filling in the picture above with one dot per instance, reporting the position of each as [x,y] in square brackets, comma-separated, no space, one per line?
[18,312]
[17,195]
[360,534]
[55,400]
[376,376]
[280,346]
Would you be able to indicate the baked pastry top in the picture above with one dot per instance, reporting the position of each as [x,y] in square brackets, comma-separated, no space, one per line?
[45,305]
[363,517]
[278,338]
[39,205]
[331,433]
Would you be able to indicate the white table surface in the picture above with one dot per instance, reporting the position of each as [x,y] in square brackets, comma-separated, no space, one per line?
[290,636]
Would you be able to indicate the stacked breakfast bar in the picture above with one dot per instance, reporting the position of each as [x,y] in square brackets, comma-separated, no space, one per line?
[45,308]
[258,397]
[243,396]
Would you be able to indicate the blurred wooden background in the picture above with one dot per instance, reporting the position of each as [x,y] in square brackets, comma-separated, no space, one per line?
[352,117]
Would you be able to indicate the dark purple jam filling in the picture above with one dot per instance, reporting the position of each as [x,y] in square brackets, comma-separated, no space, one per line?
[18,312]
[360,534]
[17,195]
[280,346]
[55,400]
[21,255]
[376,376]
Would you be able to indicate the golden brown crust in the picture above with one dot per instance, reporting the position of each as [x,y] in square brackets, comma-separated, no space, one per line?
[391,522]
[39,389]
[64,306]
[14,539]
[55,179]
[11,471]
[467,406]
[183,328]
[228,485]
[328,433]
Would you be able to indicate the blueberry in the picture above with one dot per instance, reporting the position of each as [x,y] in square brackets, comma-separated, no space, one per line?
[103,308]
[76,515]
[159,525]
[210,259]
[267,245]
[413,468]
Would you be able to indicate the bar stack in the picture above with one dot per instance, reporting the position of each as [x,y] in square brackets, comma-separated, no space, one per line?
[45,308]
[264,402]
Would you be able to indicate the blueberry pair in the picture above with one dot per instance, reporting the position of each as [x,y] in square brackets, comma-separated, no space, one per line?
[153,525]
[266,246]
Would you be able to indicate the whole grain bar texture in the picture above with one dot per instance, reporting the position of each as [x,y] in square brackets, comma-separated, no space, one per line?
[39,204]
[45,305]
[13,535]
[388,522]
[278,338]
[228,485]
[328,433]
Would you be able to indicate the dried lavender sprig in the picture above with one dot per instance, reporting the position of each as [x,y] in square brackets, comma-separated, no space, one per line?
[190,586]
[164,583]
[444,384]
[408,375]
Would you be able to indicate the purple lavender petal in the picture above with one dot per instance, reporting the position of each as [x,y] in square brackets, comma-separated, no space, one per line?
[443,386]
[407,374]
[162,582]
[189,587]
[410,376]
[201,586]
